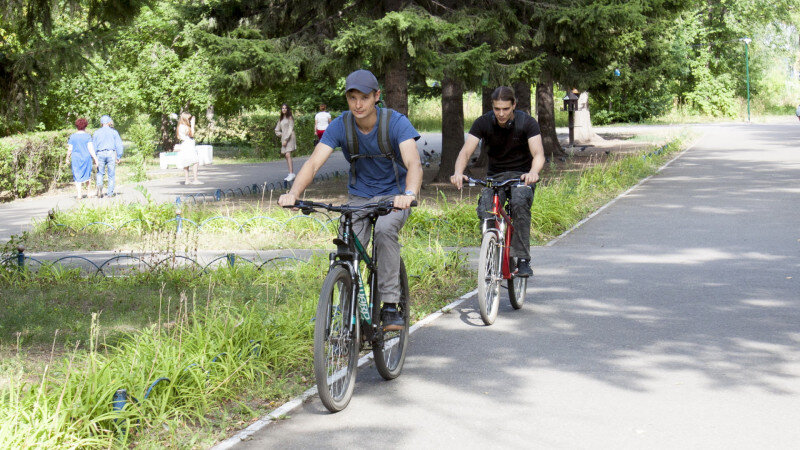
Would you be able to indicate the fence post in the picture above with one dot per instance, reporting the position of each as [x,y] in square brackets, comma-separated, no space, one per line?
[180,219]
[21,257]
[231,259]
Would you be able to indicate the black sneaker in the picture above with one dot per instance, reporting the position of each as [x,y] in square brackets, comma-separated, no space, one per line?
[524,268]
[391,318]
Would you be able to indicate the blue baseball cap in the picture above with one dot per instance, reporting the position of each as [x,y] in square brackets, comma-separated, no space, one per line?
[361,80]
[105,119]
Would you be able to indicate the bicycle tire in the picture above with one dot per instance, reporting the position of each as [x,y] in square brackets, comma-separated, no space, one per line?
[335,346]
[489,278]
[517,287]
[390,353]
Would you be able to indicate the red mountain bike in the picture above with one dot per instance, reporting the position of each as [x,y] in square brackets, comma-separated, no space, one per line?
[495,263]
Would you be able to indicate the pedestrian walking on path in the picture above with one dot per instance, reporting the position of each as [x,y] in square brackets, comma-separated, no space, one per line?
[285,131]
[108,145]
[80,150]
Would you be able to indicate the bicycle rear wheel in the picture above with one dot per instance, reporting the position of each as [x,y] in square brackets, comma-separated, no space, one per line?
[517,286]
[489,278]
[390,354]
[336,340]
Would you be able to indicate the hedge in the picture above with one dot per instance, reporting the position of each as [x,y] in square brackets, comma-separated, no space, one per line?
[33,163]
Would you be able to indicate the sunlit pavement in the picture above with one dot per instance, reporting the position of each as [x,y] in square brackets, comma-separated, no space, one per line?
[669,320]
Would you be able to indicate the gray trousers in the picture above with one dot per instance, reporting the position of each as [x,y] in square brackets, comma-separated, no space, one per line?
[387,244]
[520,199]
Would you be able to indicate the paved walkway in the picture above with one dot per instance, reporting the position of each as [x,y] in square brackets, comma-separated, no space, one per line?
[669,320]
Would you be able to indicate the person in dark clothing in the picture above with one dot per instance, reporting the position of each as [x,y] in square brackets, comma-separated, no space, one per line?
[514,144]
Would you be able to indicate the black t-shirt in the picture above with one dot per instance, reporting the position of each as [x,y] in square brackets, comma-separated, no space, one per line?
[508,149]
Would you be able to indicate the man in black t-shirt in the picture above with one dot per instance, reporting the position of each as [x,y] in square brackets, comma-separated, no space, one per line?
[515,150]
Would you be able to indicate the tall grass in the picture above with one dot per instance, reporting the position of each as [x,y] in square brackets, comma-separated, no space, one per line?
[238,332]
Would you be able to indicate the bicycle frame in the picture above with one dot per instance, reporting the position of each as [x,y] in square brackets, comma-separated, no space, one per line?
[349,254]
[504,232]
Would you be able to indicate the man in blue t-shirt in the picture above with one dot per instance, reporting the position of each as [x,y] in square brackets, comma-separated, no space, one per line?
[374,177]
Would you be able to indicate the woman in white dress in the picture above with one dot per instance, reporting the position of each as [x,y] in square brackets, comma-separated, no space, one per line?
[285,131]
[188,152]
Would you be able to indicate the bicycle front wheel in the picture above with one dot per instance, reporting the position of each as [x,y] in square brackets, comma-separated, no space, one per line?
[517,286]
[390,354]
[489,278]
[336,340]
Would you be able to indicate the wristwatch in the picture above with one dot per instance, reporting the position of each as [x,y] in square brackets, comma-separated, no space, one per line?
[410,192]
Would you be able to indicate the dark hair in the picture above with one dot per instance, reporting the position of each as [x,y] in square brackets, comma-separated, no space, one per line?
[504,93]
[288,111]
[81,123]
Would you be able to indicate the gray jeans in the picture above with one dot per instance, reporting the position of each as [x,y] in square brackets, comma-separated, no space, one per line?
[387,244]
[521,199]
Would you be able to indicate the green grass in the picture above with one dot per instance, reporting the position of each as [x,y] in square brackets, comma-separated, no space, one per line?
[127,332]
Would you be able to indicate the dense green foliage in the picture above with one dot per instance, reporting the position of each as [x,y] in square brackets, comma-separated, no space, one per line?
[227,58]
[33,163]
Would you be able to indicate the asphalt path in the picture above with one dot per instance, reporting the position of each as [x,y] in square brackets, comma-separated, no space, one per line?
[671,319]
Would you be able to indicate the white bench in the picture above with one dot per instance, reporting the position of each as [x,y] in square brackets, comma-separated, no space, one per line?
[205,154]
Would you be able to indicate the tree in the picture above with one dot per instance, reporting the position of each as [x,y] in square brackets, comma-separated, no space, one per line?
[44,39]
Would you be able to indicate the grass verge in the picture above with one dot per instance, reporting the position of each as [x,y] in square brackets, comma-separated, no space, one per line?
[227,346]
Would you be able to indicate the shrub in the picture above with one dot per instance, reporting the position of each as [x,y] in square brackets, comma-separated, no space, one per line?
[143,136]
[33,163]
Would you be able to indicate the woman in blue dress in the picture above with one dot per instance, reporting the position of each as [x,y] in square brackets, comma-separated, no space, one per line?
[81,150]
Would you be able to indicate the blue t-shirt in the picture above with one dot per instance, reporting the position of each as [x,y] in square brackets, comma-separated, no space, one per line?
[375,175]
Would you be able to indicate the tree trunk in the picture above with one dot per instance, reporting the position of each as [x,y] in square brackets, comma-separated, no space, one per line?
[583,122]
[396,85]
[168,137]
[522,89]
[452,127]
[486,104]
[546,115]
[486,99]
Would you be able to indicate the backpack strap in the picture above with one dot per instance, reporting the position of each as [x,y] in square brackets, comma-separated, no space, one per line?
[384,144]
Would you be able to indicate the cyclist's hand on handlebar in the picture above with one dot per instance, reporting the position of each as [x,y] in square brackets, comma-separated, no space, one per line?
[287,199]
[458,180]
[403,201]
[529,178]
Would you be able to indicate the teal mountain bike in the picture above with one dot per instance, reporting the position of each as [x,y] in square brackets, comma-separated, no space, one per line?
[348,312]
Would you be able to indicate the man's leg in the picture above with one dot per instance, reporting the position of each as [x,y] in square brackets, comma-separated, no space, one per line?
[484,206]
[101,169]
[521,201]
[112,169]
[387,250]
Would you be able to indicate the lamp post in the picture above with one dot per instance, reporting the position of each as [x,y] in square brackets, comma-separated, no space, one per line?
[747,42]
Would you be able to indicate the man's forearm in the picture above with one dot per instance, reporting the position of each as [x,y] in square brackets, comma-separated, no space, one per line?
[414,179]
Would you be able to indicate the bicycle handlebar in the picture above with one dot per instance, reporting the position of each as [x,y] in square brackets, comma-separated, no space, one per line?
[382,208]
[492,183]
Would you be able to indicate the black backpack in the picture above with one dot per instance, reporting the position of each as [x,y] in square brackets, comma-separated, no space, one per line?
[384,115]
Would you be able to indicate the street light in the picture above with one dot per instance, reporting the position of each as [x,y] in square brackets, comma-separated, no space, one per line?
[747,42]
